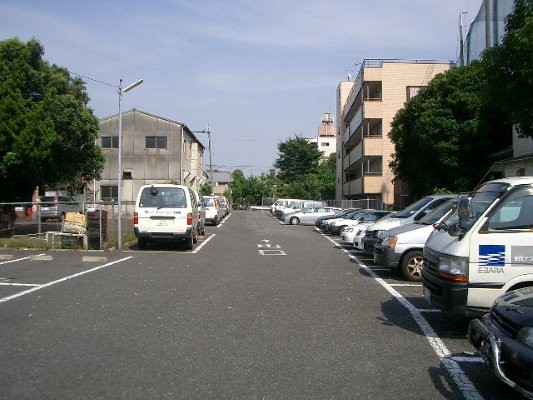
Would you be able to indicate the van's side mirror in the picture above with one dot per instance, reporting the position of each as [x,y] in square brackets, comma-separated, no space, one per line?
[464,209]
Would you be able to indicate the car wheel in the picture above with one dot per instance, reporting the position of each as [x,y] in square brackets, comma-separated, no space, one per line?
[141,243]
[189,242]
[412,265]
[195,238]
[215,221]
[294,221]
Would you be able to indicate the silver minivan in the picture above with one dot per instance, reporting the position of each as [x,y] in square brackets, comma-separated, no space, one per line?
[166,212]
[56,207]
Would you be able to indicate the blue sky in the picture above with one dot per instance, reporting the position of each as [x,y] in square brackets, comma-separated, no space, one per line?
[258,72]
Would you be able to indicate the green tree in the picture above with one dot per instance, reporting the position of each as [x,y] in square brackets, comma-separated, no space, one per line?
[441,138]
[206,189]
[296,158]
[47,132]
[509,68]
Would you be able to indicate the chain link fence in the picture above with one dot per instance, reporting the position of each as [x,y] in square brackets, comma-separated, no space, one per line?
[40,221]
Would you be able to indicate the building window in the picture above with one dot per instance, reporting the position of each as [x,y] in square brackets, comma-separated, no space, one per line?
[412,91]
[372,165]
[324,144]
[126,175]
[156,142]
[109,142]
[109,192]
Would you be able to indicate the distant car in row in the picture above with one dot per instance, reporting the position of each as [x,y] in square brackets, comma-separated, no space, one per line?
[216,208]
[308,216]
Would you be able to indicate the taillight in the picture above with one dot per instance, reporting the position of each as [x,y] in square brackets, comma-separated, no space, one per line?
[135,218]
[189,218]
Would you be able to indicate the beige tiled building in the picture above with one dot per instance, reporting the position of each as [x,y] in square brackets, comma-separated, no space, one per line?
[365,110]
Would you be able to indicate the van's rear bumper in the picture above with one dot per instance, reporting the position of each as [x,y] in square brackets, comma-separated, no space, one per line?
[163,235]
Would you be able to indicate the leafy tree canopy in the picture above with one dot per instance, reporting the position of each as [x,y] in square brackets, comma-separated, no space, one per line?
[47,132]
[510,68]
[297,157]
[441,137]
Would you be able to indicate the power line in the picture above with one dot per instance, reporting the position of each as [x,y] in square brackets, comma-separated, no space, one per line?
[94,80]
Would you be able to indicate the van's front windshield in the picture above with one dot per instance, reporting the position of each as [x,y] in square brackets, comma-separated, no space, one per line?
[160,197]
[480,200]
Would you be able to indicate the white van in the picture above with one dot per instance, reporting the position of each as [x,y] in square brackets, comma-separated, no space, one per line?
[166,212]
[412,213]
[482,250]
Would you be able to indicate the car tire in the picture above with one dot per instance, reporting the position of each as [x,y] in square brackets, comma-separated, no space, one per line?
[215,221]
[195,238]
[412,265]
[141,243]
[189,243]
[294,221]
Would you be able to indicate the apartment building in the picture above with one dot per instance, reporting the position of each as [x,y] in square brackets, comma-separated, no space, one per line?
[154,150]
[365,110]
[325,138]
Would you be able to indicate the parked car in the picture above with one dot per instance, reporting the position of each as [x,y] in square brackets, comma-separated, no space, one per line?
[201,213]
[213,210]
[320,221]
[362,217]
[165,212]
[56,207]
[224,205]
[412,213]
[402,247]
[308,216]
[359,235]
[278,209]
[324,226]
[280,204]
[504,339]
[299,206]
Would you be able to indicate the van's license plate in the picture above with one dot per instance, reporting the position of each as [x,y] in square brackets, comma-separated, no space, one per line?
[162,222]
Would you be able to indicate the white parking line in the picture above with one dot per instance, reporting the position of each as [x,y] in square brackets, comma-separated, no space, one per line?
[19,284]
[464,384]
[203,243]
[66,278]
[403,284]
[18,259]
[468,359]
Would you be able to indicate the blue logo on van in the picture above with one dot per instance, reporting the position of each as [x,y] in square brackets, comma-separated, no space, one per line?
[492,255]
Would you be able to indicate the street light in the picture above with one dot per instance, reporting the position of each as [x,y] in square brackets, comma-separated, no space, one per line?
[120,91]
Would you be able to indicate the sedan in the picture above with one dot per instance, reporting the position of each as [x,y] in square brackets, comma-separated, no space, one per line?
[504,339]
[308,216]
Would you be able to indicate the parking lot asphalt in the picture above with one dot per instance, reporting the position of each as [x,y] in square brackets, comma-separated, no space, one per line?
[255,310]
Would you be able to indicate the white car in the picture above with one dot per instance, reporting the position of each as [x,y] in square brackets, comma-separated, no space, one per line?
[308,216]
[360,231]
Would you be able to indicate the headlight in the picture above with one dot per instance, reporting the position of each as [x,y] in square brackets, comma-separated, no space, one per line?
[453,268]
[390,242]
[525,335]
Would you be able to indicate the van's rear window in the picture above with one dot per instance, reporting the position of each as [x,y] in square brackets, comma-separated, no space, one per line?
[163,197]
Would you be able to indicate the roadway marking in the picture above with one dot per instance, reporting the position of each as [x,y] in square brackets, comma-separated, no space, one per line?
[272,253]
[5,299]
[223,221]
[40,257]
[270,250]
[203,243]
[93,259]
[403,284]
[19,284]
[18,259]
[464,384]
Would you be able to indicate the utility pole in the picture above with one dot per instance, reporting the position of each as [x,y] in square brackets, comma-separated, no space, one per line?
[461,39]
[208,132]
